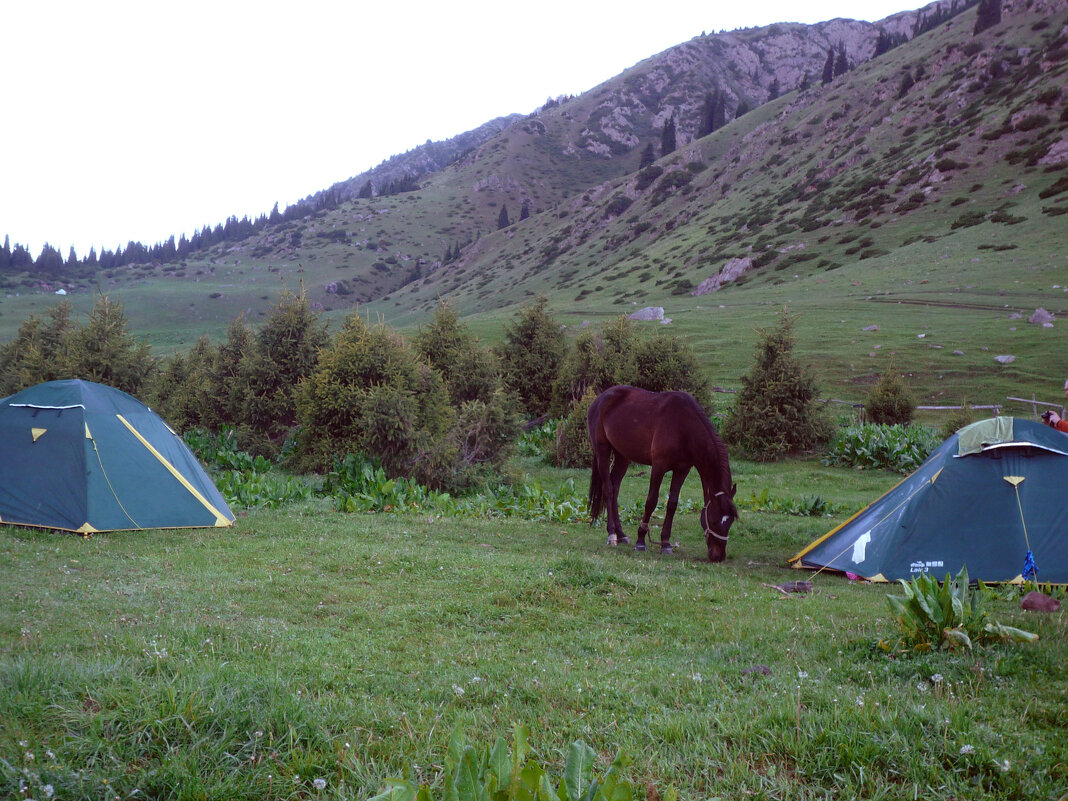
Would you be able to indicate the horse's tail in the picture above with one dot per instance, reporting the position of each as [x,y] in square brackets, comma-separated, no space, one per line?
[596,492]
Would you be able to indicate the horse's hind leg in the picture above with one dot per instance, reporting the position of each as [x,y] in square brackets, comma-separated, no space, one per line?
[677,479]
[619,469]
[655,479]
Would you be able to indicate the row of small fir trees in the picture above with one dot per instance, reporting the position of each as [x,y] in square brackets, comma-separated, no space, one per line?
[439,407]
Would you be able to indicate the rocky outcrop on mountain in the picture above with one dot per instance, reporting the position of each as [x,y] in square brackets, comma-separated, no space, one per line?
[748,66]
[731,271]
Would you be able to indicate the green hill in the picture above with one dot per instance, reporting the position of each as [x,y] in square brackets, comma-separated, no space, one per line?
[922,192]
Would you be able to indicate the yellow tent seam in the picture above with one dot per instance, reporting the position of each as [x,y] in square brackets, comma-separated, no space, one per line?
[220,519]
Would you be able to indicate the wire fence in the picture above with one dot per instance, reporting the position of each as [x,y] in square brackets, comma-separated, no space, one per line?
[988,407]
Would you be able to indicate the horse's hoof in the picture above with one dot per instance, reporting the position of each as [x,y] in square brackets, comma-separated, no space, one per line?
[624,539]
[611,540]
[665,549]
[640,546]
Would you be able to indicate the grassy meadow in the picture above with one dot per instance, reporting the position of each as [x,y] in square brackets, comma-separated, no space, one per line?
[308,644]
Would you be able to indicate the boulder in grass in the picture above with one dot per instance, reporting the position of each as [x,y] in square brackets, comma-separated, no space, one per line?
[648,313]
[1005,359]
[1040,317]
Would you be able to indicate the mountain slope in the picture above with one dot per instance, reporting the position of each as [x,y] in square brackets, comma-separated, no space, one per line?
[931,176]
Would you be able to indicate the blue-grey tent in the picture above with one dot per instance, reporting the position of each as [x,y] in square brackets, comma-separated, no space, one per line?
[84,457]
[989,494]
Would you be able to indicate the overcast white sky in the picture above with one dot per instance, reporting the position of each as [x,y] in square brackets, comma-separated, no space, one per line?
[128,121]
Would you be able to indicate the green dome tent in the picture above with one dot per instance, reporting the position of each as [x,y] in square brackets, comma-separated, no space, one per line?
[989,494]
[83,457]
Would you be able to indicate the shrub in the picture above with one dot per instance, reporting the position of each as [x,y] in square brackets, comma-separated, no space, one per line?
[105,352]
[572,435]
[372,394]
[882,447]
[184,389]
[775,411]
[470,372]
[38,352]
[530,356]
[620,355]
[647,176]
[661,363]
[617,205]
[593,362]
[485,434]
[931,617]
[968,219]
[956,421]
[890,400]
[283,353]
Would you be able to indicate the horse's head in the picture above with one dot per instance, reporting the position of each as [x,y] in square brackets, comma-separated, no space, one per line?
[717,518]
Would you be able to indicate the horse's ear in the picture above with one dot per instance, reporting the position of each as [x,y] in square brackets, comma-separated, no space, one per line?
[734,489]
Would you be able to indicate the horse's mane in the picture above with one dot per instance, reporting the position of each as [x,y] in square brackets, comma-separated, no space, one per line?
[717,441]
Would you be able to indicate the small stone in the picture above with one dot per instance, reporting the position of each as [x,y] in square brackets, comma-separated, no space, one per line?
[1006,359]
[958,353]
[870,328]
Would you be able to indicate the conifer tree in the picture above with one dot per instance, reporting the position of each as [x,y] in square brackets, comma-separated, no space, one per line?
[530,356]
[105,352]
[469,370]
[841,62]
[286,351]
[667,137]
[775,412]
[502,218]
[828,67]
[987,16]
[708,114]
[524,211]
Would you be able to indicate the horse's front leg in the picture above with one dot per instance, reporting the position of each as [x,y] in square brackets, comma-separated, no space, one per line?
[615,526]
[677,479]
[656,477]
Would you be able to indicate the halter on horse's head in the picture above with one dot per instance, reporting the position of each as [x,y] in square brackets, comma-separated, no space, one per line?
[717,516]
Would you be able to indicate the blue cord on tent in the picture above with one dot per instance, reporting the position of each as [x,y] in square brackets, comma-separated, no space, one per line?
[1029,569]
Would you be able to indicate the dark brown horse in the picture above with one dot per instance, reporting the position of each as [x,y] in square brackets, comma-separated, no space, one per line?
[668,431]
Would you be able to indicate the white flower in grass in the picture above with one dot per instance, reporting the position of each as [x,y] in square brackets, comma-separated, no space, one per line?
[860,701]
[48,790]
[698,678]
[319,784]
[802,674]
[936,678]
[967,749]
[456,688]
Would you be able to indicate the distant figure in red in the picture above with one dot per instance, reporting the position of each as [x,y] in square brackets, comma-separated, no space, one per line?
[1054,420]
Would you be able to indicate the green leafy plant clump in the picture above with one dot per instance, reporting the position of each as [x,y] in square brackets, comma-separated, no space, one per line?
[947,616]
[877,446]
[504,773]
[245,480]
